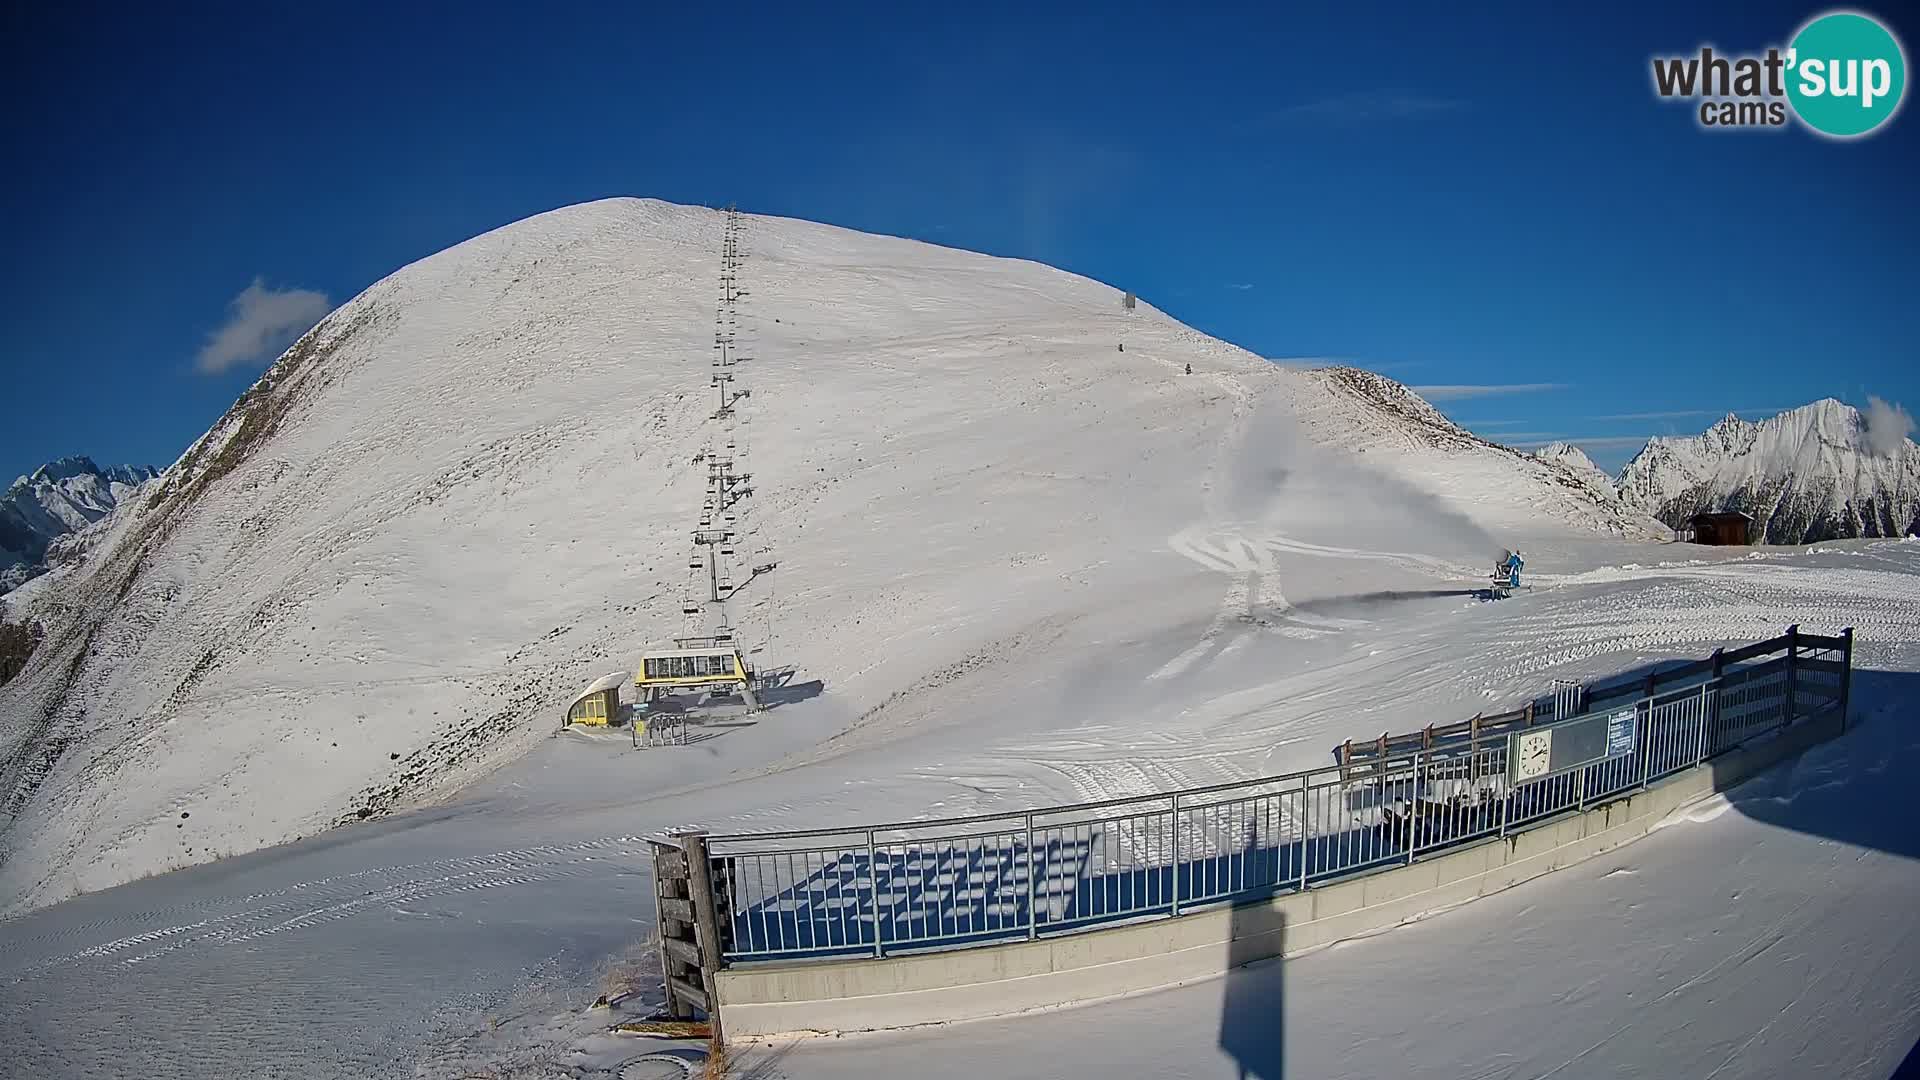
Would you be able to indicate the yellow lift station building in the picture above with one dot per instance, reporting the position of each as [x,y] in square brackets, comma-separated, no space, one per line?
[697,663]
[599,704]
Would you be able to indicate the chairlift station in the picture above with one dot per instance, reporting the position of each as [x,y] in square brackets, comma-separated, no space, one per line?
[706,656]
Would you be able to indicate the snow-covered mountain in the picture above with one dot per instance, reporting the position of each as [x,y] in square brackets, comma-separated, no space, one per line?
[1575,462]
[1818,472]
[468,492]
[1569,455]
[59,498]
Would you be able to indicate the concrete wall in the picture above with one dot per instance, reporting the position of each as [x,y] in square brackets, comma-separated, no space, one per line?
[1001,980]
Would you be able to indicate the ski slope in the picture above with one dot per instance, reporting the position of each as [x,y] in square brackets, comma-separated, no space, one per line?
[468,492]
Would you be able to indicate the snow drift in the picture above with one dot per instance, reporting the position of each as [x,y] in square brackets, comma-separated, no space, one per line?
[467,492]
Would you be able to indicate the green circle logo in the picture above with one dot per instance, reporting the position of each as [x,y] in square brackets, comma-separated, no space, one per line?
[1845,74]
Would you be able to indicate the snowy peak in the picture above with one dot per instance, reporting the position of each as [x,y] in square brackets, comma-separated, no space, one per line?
[1567,454]
[56,500]
[1819,472]
[60,470]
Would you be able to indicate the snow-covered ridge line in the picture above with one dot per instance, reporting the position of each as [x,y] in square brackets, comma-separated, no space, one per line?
[56,501]
[1818,472]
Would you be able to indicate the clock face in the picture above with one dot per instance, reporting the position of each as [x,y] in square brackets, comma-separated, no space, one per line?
[1534,750]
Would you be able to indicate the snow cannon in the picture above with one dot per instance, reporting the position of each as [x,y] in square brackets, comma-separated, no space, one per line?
[1506,575]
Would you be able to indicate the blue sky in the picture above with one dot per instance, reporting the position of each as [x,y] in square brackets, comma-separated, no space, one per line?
[1471,201]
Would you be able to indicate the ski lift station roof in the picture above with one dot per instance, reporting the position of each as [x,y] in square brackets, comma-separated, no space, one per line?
[605,682]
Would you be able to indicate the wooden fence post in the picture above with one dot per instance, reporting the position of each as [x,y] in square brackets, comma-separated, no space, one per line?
[1793,673]
[1846,674]
[706,924]
[673,904]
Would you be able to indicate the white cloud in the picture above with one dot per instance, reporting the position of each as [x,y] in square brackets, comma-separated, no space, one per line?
[260,322]
[1681,414]
[1461,392]
[1242,286]
[1602,442]
[1887,426]
[1678,414]
[1364,106]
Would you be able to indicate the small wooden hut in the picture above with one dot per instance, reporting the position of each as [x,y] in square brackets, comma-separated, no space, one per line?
[1728,527]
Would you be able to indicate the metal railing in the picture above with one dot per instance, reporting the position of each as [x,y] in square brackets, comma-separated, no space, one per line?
[958,882]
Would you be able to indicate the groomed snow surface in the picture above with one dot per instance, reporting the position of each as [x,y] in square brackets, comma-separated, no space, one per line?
[1027,568]
[1769,934]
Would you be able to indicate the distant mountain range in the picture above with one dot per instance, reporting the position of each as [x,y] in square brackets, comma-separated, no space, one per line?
[58,499]
[1823,471]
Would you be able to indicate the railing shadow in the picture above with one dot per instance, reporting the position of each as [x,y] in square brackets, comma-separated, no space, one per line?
[1253,1028]
[1857,788]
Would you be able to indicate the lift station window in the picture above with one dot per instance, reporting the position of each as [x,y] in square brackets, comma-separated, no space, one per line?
[689,667]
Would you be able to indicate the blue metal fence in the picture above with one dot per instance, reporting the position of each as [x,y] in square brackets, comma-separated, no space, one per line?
[958,882]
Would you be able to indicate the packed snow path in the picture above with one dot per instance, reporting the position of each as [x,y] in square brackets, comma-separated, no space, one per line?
[370,951]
